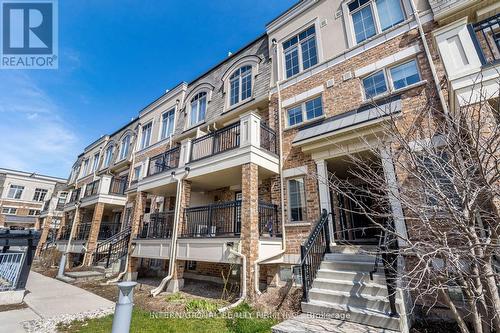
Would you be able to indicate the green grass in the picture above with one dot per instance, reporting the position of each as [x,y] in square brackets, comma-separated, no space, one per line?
[240,320]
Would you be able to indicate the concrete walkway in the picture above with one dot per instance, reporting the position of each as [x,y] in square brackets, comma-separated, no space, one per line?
[48,298]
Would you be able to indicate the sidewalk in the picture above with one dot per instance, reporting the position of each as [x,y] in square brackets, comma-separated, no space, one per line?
[49,298]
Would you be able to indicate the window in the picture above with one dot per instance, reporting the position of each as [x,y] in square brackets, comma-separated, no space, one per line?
[405,75]
[9,210]
[108,157]
[191,265]
[198,108]
[137,172]
[296,199]
[167,124]
[95,162]
[33,212]
[15,191]
[125,144]
[146,135]
[309,110]
[85,169]
[240,85]
[300,52]
[399,76]
[40,194]
[370,17]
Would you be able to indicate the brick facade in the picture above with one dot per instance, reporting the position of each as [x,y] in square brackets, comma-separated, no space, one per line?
[94,232]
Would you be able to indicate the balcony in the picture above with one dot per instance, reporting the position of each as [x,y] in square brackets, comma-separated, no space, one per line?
[108,189]
[108,229]
[159,226]
[216,157]
[215,220]
[82,231]
[91,188]
[487,39]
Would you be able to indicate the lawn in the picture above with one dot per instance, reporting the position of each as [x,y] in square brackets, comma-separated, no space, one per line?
[241,320]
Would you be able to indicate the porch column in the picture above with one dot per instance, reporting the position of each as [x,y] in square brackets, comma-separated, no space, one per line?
[185,201]
[250,221]
[138,211]
[177,282]
[61,225]
[393,194]
[324,195]
[94,233]
[43,237]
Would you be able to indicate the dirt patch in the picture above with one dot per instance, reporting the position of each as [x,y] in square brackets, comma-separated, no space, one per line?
[284,301]
[10,307]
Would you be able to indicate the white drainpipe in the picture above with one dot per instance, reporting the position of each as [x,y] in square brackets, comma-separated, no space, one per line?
[173,244]
[243,282]
[283,233]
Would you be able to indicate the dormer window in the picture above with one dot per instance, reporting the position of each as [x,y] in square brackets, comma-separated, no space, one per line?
[241,85]
[300,52]
[198,108]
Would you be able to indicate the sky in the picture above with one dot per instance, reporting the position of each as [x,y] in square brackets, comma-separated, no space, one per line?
[115,57]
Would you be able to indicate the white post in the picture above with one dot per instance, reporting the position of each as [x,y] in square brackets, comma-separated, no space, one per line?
[185,152]
[393,194]
[250,129]
[324,195]
[105,184]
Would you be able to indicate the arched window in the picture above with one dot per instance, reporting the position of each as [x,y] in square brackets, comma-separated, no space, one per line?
[124,147]
[198,108]
[240,84]
[108,156]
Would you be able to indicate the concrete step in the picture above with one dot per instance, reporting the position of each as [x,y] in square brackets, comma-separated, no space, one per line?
[354,249]
[354,287]
[352,314]
[351,266]
[85,275]
[350,276]
[376,303]
[350,257]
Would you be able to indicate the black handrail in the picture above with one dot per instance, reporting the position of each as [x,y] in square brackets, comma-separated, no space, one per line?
[487,40]
[92,188]
[118,185]
[269,224]
[165,161]
[268,139]
[113,248]
[312,252]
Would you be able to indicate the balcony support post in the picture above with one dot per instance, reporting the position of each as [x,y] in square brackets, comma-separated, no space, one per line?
[185,154]
[94,233]
[47,221]
[250,129]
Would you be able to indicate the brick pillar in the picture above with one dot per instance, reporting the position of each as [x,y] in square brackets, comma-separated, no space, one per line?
[94,233]
[2,220]
[38,223]
[64,220]
[250,221]
[185,202]
[45,232]
[177,281]
[137,213]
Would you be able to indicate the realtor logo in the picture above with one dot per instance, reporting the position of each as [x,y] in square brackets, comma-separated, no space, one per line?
[28,34]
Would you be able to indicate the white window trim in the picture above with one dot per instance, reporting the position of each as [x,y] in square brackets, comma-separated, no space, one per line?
[304,112]
[10,212]
[304,201]
[14,197]
[350,32]
[35,210]
[173,108]
[388,80]
[129,134]
[252,61]
[319,49]
[105,164]
[140,147]
[95,162]
[41,189]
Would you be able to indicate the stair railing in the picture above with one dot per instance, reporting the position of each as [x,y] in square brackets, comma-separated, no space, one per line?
[113,248]
[312,252]
[386,251]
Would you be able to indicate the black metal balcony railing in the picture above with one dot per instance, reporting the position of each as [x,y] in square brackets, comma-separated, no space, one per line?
[487,33]
[269,224]
[214,220]
[65,232]
[268,139]
[224,139]
[75,195]
[164,161]
[160,225]
[107,230]
[118,185]
[46,206]
[82,231]
[92,188]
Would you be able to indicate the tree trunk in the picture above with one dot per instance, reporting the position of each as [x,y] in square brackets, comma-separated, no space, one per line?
[454,311]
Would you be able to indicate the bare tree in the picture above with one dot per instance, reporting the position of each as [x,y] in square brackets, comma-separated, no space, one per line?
[448,186]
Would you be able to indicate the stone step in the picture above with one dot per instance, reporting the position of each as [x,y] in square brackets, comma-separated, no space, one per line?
[350,257]
[350,276]
[354,249]
[85,275]
[354,287]
[351,266]
[352,314]
[376,303]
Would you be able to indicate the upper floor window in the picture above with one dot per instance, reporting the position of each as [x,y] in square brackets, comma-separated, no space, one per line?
[300,52]
[95,162]
[40,194]
[167,124]
[15,191]
[296,199]
[137,172]
[146,135]
[198,108]
[370,17]
[240,85]
[33,212]
[306,111]
[125,144]
[9,210]
[108,157]
[85,169]
[393,78]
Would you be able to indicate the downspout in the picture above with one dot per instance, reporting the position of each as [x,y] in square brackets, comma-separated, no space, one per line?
[173,246]
[282,186]
[62,263]
[429,57]
[243,282]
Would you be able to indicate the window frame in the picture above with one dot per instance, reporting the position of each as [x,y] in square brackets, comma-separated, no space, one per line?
[124,156]
[95,162]
[38,192]
[36,212]
[137,172]
[302,105]
[85,168]
[8,210]
[108,156]
[239,78]
[143,144]
[389,82]
[303,200]
[298,47]
[15,196]
[199,121]
[162,123]
[376,19]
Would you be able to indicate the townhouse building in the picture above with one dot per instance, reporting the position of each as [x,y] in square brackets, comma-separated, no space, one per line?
[23,196]
[226,174]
